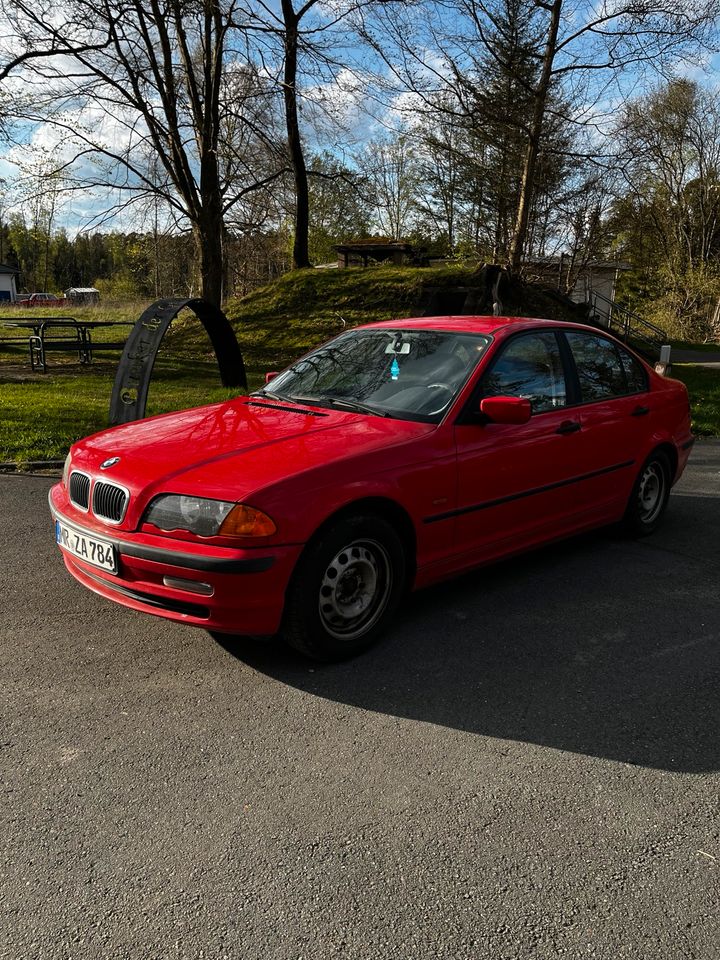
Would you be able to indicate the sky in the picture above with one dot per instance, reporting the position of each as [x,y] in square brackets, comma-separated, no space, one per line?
[365,97]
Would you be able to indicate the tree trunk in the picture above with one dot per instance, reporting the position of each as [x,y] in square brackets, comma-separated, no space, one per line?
[301,255]
[210,226]
[527,183]
[209,245]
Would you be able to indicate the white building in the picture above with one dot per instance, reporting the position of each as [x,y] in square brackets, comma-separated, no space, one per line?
[595,284]
[8,283]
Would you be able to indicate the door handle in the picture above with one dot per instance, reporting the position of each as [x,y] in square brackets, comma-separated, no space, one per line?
[569,426]
[640,411]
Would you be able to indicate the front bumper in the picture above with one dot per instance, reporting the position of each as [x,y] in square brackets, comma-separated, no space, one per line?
[248,585]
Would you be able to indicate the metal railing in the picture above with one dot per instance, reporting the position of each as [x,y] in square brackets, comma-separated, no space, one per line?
[626,324]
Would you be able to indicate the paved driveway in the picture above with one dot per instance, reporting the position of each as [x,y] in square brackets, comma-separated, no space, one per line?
[703,358]
[528,768]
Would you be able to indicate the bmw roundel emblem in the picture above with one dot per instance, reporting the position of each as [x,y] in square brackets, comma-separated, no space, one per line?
[106,464]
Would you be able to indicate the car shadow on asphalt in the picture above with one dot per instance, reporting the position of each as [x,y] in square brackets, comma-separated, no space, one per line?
[600,646]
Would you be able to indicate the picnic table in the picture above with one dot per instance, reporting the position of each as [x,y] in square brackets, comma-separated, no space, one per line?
[67,334]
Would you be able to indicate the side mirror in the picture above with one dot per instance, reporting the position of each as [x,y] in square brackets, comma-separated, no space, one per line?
[271,375]
[506,409]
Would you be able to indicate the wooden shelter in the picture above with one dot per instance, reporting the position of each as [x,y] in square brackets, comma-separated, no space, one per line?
[361,252]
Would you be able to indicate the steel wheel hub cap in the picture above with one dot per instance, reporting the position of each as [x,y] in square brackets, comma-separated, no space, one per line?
[354,589]
[650,494]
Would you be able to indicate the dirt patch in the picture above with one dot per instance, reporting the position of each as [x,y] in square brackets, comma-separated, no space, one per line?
[10,373]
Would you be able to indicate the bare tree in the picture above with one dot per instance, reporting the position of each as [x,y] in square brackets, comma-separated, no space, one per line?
[140,86]
[392,173]
[442,168]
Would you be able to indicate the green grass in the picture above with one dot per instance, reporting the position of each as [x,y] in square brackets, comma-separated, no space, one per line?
[39,420]
[41,415]
[279,322]
[704,388]
[100,311]
[695,347]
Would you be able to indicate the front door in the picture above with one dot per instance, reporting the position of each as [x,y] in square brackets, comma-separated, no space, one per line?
[516,483]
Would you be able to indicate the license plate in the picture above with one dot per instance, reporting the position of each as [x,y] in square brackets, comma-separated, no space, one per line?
[99,553]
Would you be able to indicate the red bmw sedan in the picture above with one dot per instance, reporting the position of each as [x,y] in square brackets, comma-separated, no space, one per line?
[393,456]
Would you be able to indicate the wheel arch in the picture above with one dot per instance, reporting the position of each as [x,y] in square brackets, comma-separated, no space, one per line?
[671,453]
[385,507]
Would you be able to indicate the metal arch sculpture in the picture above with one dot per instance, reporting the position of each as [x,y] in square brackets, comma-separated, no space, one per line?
[132,380]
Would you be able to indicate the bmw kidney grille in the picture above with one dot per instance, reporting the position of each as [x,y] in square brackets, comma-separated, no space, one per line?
[79,489]
[109,502]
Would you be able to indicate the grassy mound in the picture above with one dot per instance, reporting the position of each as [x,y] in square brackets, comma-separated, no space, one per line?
[282,320]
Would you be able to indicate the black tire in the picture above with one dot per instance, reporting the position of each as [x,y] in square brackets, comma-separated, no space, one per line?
[345,588]
[649,497]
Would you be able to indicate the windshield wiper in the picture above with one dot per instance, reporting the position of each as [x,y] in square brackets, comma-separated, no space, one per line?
[323,401]
[356,405]
[271,395]
[288,398]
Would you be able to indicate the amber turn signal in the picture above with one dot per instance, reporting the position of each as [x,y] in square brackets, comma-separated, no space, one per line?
[243,521]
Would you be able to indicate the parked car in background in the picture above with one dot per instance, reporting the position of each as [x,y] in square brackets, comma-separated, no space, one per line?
[394,456]
[42,300]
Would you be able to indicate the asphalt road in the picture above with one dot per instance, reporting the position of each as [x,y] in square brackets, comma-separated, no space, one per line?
[527,768]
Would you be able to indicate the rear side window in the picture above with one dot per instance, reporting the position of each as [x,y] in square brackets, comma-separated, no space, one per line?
[599,368]
[634,372]
[529,366]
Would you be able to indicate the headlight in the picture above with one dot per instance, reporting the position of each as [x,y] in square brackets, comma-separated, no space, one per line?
[208,518]
[66,471]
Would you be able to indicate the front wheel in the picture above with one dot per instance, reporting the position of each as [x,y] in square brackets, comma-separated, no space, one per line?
[346,586]
[650,495]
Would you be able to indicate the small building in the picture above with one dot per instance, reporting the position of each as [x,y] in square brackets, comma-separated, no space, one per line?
[361,252]
[8,283]
[81,295]
[595,283]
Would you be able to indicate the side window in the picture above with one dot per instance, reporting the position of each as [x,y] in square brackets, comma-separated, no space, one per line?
[634,372]
[599,369]
[529,366]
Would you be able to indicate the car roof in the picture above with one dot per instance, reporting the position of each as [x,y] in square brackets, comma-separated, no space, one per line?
[479,324]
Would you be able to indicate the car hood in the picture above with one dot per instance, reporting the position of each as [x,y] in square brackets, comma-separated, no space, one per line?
[230,450]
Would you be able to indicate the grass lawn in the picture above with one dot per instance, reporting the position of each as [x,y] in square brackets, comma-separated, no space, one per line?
[40,419]
[695,347]
[704,388]
[42,414]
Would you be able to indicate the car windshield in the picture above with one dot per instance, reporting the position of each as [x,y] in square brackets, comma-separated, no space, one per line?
[407,374]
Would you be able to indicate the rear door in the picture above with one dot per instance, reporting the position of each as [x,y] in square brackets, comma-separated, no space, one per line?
[614,413]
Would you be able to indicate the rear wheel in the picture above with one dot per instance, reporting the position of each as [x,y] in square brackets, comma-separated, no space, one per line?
[650,495]
[346,587]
